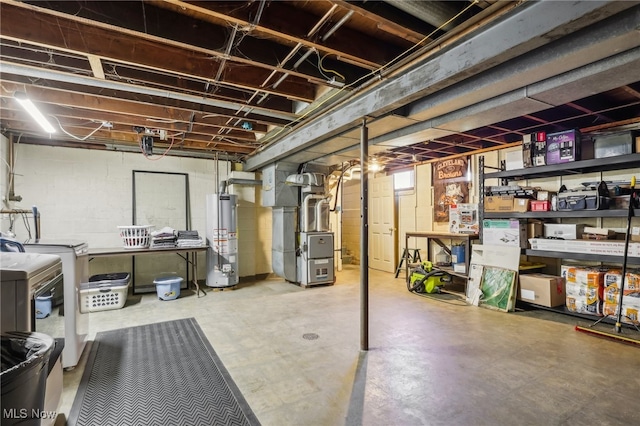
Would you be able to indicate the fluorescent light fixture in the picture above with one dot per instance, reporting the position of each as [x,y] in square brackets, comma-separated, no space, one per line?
[35,113]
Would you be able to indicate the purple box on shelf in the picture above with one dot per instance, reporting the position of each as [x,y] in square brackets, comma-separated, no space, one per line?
[563,147]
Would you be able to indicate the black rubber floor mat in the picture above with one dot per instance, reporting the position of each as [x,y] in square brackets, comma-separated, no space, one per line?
[159,374]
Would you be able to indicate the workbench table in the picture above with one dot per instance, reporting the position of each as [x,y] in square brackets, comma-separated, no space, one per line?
[190,254]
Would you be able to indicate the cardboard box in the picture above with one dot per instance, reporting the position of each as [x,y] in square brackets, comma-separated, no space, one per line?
[498,203]
[513,160]
[535,229]
[542,289]
[540,153]
[527,151]
[563,147]
[566,231]
[503,232]
[604,247]
[544,195]
[521,205]
[635,233]
[463,218]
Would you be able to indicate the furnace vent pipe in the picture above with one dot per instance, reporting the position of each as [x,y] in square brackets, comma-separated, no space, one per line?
[319,212]
[225,183]
[305,206]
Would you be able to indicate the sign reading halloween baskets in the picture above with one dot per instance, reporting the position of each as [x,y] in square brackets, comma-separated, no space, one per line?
[450,185]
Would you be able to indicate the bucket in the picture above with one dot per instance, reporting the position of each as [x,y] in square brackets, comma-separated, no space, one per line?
[168,287]
[457,254]
[43,305]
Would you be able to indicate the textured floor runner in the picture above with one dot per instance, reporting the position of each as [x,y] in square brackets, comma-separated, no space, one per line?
[158,374]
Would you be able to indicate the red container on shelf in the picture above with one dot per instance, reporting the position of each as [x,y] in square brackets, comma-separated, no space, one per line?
[540,206]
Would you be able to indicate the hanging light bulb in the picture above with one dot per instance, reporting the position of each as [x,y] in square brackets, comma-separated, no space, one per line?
[26,103]
[374,166]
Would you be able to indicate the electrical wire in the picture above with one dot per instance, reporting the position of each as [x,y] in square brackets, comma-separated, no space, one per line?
[76,137]
[159,158]
[327,70]
[26,225]
[377,71]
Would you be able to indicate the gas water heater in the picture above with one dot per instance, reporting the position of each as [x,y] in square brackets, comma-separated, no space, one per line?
[222,255]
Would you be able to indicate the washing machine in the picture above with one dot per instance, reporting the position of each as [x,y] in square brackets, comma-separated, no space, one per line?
[75,268]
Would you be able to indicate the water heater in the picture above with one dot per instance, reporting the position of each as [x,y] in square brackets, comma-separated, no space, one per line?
[222,239]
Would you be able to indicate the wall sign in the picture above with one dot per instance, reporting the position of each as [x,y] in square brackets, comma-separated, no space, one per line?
[450,185]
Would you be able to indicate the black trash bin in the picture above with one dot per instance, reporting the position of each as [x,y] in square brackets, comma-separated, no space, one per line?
[25,364]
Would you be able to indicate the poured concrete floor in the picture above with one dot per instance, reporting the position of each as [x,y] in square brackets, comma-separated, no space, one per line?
[431,361]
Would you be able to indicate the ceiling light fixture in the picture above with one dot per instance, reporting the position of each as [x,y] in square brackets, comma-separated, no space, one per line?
[375,167]
[26,103]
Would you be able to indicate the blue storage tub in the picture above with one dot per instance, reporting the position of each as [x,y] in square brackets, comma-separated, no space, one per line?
[168,287]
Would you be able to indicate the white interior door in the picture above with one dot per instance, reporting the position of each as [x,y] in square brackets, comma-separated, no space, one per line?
[382,241]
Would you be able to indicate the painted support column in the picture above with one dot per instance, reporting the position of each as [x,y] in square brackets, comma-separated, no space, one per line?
[364,238]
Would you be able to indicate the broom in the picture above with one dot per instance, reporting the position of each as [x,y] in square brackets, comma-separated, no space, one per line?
[618,326]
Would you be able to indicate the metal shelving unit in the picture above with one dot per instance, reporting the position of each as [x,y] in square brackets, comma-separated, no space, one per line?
[560,215]
[574,168]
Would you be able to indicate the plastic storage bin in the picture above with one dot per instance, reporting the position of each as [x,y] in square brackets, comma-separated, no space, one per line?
[25,363]
[104,292]
[43,305]
[168,287]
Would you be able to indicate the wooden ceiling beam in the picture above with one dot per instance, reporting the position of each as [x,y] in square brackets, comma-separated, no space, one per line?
[384,24]
[124,103]
[80,36]
[203,124]
[200,130]
[281,20]
[114,136]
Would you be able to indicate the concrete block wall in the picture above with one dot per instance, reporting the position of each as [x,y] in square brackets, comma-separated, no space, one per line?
[86,194]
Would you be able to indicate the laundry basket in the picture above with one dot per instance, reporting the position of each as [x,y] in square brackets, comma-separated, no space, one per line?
[104,292]
[136,236]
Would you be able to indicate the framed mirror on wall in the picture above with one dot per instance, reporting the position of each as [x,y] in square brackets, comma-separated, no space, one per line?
[160,199]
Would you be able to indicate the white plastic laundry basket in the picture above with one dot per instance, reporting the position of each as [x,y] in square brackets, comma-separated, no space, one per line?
[136,236]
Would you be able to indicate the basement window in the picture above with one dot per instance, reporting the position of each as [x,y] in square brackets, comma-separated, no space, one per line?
[403,180]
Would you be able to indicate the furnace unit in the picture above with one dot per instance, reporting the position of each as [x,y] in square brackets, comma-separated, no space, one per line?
[302,247]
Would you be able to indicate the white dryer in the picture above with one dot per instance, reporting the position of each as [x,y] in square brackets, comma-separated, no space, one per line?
[75,268]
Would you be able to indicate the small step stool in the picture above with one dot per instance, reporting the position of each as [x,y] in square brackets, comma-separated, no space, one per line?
[406,254]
